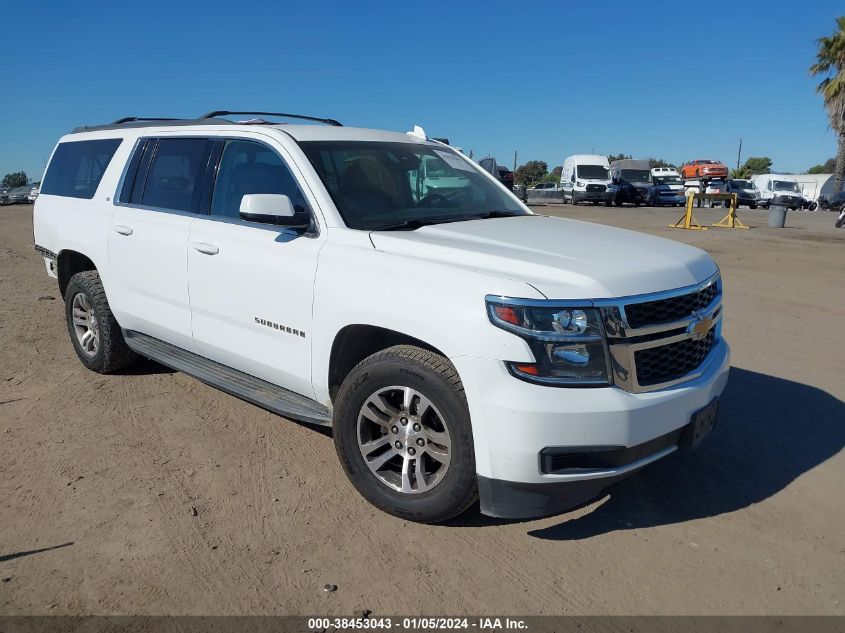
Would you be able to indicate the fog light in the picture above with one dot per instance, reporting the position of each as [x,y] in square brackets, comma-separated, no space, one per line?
[571,354]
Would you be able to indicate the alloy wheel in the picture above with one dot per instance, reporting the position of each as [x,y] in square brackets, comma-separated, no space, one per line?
[85,324]
[404,439]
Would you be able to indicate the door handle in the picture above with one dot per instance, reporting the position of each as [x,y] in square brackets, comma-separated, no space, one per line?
[123,230]
[207,249]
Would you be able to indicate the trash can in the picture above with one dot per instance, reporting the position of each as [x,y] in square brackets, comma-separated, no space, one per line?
[777,212]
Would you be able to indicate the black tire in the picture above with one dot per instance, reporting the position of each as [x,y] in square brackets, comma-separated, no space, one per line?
[574,201]
[608,203]
[112,353]
[752,206]
[617,203]
[435,377]
[840,222]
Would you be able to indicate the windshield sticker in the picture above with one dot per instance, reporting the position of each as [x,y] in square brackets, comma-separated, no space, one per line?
[453,161]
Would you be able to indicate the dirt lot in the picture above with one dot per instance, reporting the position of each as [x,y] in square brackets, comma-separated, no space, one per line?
[99,475]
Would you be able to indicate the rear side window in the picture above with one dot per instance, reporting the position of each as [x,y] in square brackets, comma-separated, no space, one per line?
[77,167]
[175,174]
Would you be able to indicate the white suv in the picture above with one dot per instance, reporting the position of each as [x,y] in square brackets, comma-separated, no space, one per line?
[458,344]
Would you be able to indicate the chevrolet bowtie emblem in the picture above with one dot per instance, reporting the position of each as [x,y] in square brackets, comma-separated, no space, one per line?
[700,327]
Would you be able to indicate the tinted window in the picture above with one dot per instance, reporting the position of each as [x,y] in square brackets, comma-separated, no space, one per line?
[175,175]
[252,167]
[77,167]
[378,184]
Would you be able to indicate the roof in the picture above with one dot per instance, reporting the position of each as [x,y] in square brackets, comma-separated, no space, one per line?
[325,133]
[298,132]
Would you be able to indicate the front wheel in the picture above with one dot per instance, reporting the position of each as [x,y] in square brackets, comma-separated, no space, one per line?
[840,221]
[403,434]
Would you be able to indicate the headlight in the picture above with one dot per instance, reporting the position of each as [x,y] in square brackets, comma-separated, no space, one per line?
[568,342]
[579,183]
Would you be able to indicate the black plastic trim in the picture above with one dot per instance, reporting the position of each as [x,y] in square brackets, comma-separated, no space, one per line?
[517,500]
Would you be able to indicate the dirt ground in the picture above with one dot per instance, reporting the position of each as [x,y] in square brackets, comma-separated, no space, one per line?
[99,475]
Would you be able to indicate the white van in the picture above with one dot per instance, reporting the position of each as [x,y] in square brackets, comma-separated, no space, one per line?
[781,185]
[586,177]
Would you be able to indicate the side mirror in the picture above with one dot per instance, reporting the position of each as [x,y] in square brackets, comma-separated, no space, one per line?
[272,208]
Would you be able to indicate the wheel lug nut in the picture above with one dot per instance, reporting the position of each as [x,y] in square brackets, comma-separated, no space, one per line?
[404,421]
[394,429]
[420,442]
[398,445]
[412,451]
[417,427]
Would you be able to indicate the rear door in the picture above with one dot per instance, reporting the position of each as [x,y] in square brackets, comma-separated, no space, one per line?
[148,238]
[252,284]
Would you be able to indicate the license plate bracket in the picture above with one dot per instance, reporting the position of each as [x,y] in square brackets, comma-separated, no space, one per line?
[700,426]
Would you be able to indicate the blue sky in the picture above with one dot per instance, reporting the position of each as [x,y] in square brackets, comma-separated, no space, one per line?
[649,78]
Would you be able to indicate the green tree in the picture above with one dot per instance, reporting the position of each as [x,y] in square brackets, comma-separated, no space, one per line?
[830,64]
[553,176]
[16,179]
[613,157]
[531,172]
[753,166]
[758,165]
[659,162]
[827,167]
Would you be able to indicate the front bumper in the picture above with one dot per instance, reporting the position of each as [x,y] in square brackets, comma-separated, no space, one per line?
[514,421]
[673,198]
[594,196]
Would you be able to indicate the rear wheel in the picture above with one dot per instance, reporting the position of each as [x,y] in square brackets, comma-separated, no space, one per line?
[403,434]
[93,330]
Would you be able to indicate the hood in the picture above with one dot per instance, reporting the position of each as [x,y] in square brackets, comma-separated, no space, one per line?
[563,259]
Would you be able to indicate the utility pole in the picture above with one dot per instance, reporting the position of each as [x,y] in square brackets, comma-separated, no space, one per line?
[739,154]
[514,161]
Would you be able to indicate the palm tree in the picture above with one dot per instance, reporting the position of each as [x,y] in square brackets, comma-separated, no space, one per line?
[830,63]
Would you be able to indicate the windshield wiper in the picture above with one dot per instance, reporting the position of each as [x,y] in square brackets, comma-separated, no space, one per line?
[415,223]
[495,214]
[412,224]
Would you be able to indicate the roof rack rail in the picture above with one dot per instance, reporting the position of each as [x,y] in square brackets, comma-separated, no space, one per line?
[130,119]
[217,113]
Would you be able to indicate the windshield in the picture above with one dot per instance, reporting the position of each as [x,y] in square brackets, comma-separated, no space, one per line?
[379,184]
[593,172]
[785,185]
[667,180]
[743,184]
[636,175]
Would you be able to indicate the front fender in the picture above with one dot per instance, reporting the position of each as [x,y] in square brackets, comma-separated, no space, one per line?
[440,304]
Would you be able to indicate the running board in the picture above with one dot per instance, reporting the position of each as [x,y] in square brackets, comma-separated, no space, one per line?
[259,392]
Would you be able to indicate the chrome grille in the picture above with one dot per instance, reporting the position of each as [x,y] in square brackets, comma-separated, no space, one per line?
[670,309]
[659,340]
[657,365]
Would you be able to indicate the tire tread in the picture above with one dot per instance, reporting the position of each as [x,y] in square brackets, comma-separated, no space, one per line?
[116,354]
